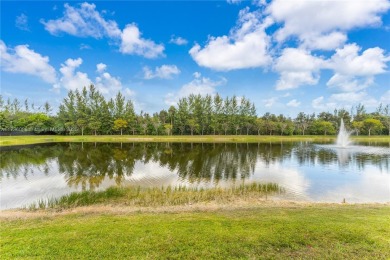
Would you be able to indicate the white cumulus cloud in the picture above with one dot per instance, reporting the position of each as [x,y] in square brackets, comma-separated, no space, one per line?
[83,21]
[324,42]
[246,46]
[108,84]
[72,79]
[178,40]
[297,67]
[354,71]
[270,101]
[133,43]
[344,100]
[293,103]
[101,67]
[322,24]
[162,72]
[199,85]
[22,59]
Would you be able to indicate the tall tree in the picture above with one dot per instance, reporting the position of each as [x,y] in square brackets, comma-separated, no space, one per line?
[182,115]
[357,126]
[120,124]
[193,125]
[130,116]
[302,121]
[372,124]
[386,117]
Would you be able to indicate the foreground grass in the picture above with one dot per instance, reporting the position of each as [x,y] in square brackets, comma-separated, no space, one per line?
[309,232]
[21,140]
[147,197]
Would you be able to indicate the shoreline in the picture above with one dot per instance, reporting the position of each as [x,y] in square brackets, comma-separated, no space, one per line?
[41,139]
[213,206]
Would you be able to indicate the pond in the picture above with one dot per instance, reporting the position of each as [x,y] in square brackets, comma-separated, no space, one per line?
[306,171]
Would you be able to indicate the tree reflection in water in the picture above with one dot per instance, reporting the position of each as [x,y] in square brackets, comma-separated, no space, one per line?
[88,164]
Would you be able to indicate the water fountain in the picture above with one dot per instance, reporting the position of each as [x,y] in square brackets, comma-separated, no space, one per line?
[344,146]
[343,136]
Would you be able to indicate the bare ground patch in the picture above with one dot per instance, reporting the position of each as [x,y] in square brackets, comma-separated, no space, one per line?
[118,209]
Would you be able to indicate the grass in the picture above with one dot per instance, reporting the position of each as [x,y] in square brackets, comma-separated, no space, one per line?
[22,140]
[309,232]
[147,197]
[312,231]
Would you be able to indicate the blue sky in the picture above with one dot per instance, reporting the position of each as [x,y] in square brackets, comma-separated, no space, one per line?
[286,56]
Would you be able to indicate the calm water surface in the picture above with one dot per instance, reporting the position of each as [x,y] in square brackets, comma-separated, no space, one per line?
[307,171]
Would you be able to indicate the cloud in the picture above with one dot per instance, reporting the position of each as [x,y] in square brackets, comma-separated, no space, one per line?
[178,40]
[324,42]
[22,59]
[297,67]
[293,103]
[349,99]
[128,92]
[133,43]
[344,100]
[108,84]
[270,101]
[246,46]
[318,103]
[101,67]
[385,98]
[199,85]
[83,21]
[354,72]
[163,72]
[21,22]
[234,1]
[72,79]
[323,24]
[84,46]
[197,74]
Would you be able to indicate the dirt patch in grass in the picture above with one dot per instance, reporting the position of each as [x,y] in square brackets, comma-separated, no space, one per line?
[213,206]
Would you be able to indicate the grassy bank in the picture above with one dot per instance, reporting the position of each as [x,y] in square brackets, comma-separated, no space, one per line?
[147,197]
[21,140]
[304,232]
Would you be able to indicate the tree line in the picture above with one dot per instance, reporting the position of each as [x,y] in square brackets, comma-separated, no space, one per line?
[89,112]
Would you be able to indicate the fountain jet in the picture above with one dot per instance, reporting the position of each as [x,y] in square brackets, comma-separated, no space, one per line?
[343,136]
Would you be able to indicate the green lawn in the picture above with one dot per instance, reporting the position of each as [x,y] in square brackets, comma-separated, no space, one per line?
[308,232]
[20,140]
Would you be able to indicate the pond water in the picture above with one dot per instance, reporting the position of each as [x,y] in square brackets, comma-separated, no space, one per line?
[307,171]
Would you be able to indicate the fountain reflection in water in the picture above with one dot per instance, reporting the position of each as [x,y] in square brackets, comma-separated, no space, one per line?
[343,136]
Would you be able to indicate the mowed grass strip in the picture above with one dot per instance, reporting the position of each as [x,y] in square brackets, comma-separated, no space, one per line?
[312,232]
[23,140]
